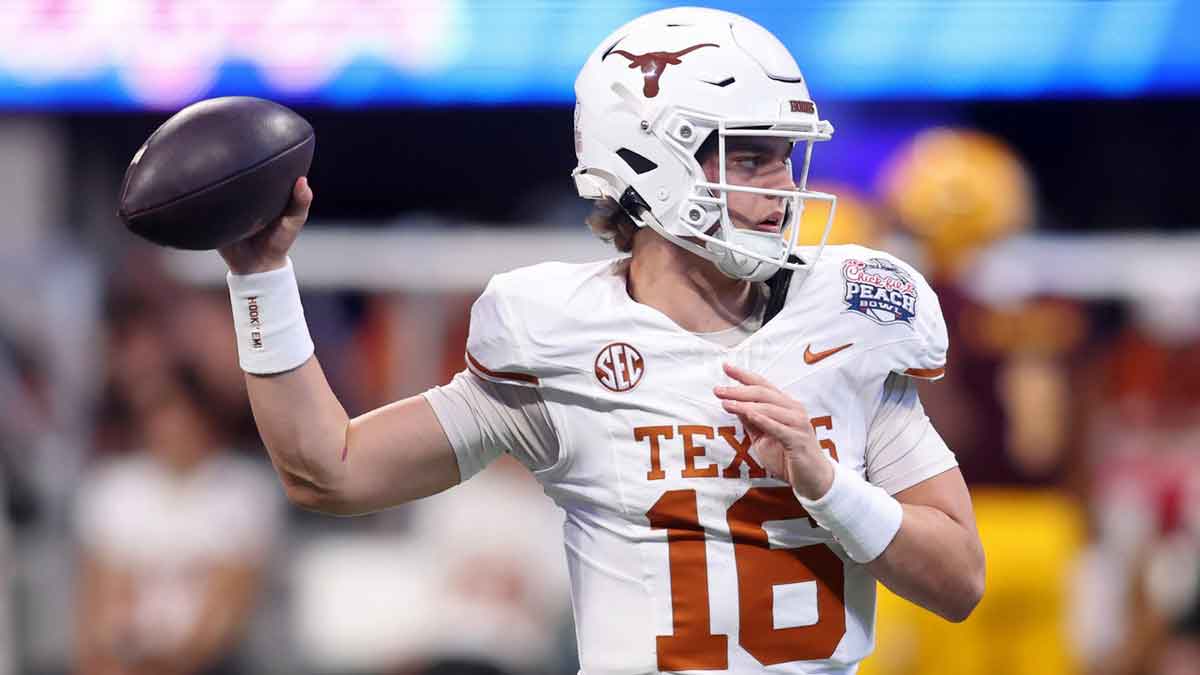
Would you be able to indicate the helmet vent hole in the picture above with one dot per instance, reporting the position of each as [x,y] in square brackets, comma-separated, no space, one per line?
[723,83]
[638,163]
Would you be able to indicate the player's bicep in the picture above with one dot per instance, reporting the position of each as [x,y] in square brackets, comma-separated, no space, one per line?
[947,492]
[395,454]
[484,418]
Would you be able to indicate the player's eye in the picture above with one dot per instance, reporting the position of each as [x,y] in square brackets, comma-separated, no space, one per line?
[747,162]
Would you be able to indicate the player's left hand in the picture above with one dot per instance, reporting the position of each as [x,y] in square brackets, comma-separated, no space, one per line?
[781,435]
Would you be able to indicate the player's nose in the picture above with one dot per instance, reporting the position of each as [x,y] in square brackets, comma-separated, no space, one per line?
[781,179]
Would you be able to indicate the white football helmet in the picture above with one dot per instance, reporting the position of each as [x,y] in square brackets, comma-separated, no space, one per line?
[649,96]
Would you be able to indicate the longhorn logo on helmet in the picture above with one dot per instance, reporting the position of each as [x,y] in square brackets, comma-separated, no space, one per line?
[654,63]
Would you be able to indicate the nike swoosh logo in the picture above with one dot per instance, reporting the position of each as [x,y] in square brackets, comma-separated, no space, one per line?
[811,357]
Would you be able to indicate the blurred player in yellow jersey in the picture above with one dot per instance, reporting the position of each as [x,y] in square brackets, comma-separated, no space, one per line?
[958,191]
[729,419]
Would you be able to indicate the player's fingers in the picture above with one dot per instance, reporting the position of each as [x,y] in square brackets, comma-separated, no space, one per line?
[745,376]
[297,209]
[772,458]
[769,425]
[756,393]
[762,393]
[756,388]
[753,431]
[784,416]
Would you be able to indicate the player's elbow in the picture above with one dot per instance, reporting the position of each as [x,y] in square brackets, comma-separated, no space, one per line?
[328,503]
[964,607]
[311,496]
[967,598]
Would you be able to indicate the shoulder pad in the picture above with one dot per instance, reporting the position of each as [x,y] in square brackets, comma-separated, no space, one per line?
[515,311]
[892,305]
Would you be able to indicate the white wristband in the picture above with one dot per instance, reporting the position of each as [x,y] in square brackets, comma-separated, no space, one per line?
[272,336]
[862,516]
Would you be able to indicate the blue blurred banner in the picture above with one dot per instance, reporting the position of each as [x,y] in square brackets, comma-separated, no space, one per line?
[163,53]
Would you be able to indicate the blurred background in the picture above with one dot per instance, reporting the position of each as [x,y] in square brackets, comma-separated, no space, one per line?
[1035,160]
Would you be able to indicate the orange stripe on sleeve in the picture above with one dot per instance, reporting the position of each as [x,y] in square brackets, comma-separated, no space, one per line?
[519,377]
[926,372]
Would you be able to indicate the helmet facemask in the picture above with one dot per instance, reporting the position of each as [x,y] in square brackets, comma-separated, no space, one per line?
[704,225]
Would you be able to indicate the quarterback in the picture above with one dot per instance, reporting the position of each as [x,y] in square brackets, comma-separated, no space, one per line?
[728,419]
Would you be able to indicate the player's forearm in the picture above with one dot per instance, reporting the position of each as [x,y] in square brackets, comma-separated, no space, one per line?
[301,422]
[304,428]
[934,562]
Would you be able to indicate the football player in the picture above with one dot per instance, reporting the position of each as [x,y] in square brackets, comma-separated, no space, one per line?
[728,419]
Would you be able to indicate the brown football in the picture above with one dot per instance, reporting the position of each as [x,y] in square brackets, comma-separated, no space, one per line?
[216,172]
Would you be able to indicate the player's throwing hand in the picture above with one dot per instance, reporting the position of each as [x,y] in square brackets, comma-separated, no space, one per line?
[781,434]
[267,250]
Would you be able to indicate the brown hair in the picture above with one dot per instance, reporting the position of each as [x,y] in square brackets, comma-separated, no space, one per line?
[610,222]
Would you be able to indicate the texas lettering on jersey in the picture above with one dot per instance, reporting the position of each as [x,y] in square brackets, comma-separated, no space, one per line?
[691,450]
[683,553]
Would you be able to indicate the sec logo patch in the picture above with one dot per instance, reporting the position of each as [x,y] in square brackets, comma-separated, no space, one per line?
[619,367]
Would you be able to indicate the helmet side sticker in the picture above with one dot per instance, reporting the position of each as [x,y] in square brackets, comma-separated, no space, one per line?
[654,63]
[879,290]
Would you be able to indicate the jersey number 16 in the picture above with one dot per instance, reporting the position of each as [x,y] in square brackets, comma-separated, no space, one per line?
[692,645]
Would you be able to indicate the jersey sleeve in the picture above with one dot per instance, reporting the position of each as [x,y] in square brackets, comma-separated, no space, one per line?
[496,405]
[921,350]
[495,351]
[903,448]
[910,334]
[484,419]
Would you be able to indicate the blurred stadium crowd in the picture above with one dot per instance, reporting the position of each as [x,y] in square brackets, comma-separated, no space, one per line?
[144,531]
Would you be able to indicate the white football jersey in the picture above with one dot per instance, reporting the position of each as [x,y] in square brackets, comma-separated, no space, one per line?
[683,555]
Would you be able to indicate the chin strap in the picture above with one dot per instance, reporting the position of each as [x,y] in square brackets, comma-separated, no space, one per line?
[779,289]
[633,205]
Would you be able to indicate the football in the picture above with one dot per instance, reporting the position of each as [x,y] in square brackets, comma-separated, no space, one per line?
[216,172]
